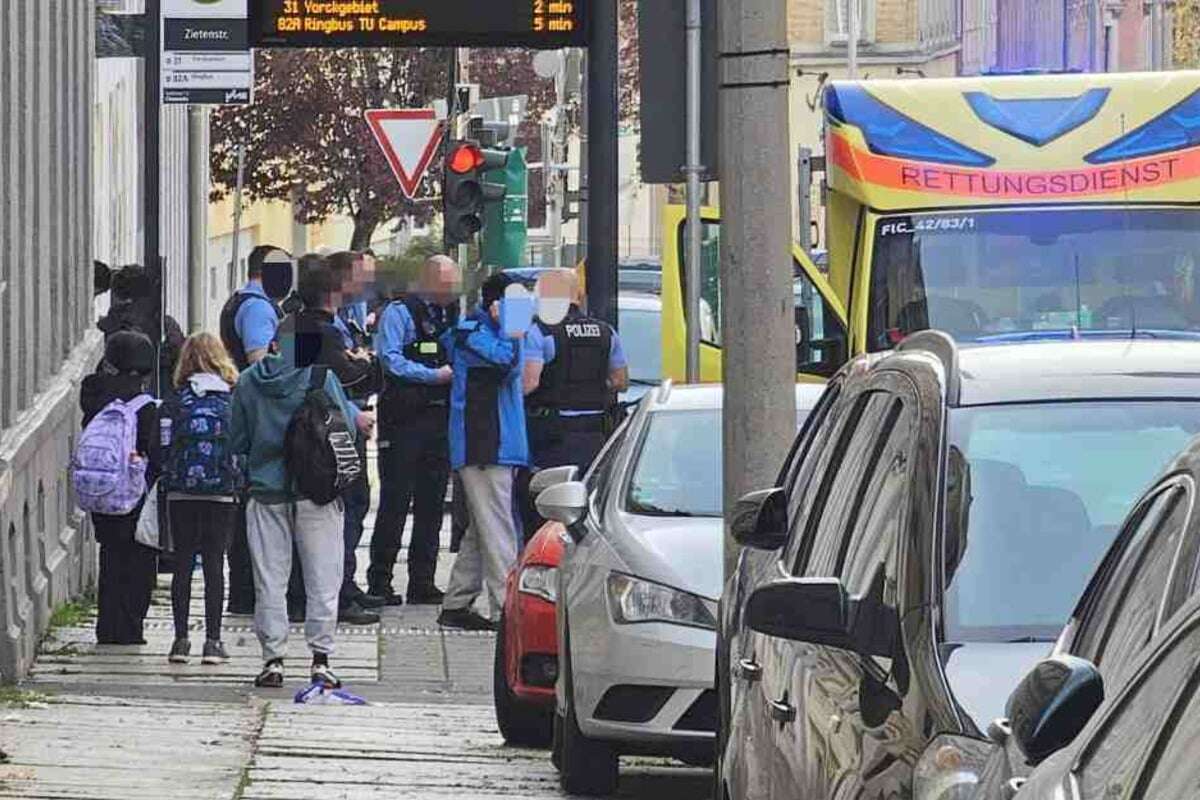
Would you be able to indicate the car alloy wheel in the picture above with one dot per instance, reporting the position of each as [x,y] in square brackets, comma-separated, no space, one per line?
[521,724]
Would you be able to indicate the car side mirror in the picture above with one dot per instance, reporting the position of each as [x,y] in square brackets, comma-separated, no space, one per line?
[1052,704]
[760,520]
[544,479]
[563,502]
[814,610]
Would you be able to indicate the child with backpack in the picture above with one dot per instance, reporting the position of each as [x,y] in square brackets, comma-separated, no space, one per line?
[203,480]
[115,463]
[295,426]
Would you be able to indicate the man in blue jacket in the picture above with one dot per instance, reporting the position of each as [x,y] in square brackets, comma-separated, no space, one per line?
[488,445]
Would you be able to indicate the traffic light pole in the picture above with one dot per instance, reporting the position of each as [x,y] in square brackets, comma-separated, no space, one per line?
[602,154]
[693,170]
[757,321]
[450,248]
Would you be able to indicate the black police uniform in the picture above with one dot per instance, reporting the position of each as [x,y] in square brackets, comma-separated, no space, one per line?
[575,380]
[414,462]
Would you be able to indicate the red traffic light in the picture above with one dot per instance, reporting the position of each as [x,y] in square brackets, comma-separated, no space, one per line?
[465,158]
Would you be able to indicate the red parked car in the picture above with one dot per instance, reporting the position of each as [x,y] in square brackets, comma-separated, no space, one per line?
[526,650]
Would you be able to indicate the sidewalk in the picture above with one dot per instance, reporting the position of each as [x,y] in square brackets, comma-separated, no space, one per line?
[120,723]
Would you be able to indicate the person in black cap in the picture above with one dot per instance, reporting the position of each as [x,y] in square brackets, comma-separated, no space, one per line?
[127,569]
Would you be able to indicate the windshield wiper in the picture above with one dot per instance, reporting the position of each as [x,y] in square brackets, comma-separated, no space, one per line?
[1031,640]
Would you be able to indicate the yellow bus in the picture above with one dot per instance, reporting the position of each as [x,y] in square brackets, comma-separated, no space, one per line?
[996,208]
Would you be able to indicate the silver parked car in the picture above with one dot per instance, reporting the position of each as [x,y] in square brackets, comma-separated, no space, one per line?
[639,585]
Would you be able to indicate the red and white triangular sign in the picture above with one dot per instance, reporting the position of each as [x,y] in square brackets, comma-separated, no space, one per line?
[409,139]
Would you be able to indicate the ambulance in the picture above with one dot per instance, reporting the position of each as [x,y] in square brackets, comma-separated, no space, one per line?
[995,208]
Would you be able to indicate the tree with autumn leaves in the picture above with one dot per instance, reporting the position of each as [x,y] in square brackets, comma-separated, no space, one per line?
[307,141]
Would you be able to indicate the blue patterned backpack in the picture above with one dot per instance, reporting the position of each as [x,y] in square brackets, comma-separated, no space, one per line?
[199,460]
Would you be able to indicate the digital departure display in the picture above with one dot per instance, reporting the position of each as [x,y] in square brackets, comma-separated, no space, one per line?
[419,23]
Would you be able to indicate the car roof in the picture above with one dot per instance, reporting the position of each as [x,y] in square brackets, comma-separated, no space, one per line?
[638,301]
[1124,369]
[705,396]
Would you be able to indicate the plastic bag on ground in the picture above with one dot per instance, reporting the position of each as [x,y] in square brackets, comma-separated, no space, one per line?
[318,694]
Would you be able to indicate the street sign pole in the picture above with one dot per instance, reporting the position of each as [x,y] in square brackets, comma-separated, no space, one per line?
[693,169]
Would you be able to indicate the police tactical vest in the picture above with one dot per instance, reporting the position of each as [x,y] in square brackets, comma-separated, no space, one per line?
[426,349]
[577,378]
[229,334]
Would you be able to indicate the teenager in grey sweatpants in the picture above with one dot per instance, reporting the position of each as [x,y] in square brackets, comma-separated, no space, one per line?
[492,542]
[317,533]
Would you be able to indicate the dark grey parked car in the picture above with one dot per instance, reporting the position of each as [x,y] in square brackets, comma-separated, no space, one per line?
[1133,641]
[939,515]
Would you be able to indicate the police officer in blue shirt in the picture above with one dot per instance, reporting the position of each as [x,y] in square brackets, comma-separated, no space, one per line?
[249,321]
[414,408]
[251,316]
[488,445]
[574,368]
[353,318]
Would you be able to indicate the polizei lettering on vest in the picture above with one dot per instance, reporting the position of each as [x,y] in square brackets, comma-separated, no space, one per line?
[584,330]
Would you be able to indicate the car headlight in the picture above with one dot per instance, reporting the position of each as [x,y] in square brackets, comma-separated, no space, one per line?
[950,767]
[539,581]
[635,600]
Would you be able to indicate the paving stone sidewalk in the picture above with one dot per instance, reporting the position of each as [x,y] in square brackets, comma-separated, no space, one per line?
[101,722]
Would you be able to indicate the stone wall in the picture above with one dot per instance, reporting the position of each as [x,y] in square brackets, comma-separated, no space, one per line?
[46,77]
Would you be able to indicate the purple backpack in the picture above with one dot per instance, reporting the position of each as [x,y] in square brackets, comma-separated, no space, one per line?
[107,480]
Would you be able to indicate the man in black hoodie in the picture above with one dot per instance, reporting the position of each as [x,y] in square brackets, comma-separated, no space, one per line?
[318,341]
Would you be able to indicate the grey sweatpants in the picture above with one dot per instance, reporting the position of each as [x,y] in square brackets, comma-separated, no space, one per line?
[317,532]
[490,548]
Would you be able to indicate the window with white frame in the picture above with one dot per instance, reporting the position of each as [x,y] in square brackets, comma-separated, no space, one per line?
[837,21]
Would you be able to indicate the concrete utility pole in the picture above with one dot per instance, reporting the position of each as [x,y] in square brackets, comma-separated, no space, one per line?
[197,216]
[757,320]
[693,169]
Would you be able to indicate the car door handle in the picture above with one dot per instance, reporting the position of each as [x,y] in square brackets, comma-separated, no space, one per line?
[749,670]
[782,711]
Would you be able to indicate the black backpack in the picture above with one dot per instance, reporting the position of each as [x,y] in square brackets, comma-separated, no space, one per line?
[318,448]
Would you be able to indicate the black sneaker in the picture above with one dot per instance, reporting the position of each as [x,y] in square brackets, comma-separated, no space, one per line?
[214,652]
[426,595]
[464,618]
[354,614]
[323,674]
[370,601]
[271,676]
[180,651]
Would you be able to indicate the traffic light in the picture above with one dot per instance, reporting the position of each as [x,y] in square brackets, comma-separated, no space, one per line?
[464,192]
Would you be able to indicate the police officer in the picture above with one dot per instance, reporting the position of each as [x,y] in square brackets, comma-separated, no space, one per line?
[249,320]
[574,368]
[413,412]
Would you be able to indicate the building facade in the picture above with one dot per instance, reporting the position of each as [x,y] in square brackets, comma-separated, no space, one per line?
[897,38]
[47,340]
[1083,35]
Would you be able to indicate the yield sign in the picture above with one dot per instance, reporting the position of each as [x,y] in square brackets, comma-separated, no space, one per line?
[409,138]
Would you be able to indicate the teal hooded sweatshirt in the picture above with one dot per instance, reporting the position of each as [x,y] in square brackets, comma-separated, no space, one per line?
[266,397]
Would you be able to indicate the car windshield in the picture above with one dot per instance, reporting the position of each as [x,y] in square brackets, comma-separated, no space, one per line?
[641,337]
[678,467]
[1009,275]
[1035,494]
